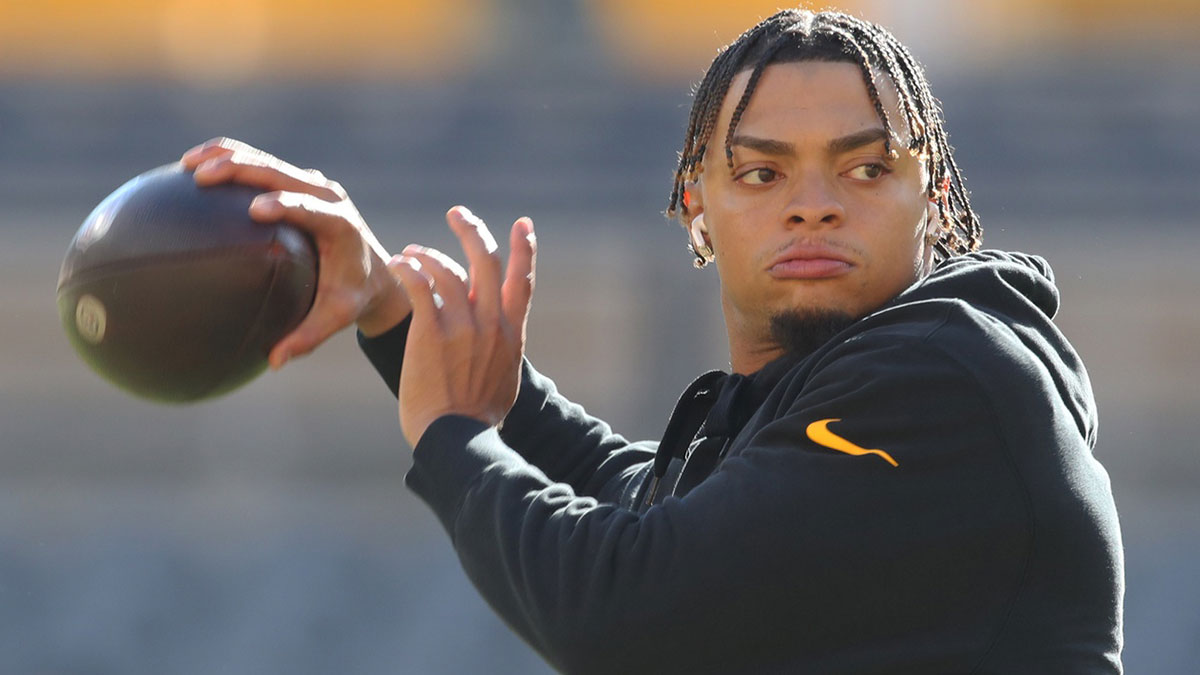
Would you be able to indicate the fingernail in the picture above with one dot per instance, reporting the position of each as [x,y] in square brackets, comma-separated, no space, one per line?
[404,260]
[264,204]
[210,165]
[397,261]
[526,229]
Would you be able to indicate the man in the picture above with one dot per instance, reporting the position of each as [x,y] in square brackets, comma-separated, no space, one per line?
[896,478]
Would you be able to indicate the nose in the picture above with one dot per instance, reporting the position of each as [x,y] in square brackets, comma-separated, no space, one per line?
[814,203]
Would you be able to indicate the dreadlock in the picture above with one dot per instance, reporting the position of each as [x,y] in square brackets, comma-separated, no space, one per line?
[800,35]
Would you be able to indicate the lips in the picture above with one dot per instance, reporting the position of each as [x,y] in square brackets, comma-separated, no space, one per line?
[809,262]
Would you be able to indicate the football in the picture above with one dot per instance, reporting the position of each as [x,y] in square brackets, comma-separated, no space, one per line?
[173,293]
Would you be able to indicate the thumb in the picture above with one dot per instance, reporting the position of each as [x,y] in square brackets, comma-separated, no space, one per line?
[317,326]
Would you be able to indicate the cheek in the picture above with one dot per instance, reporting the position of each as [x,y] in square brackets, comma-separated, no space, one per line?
[898,235]
[731,253]
[904,209]
[727,230]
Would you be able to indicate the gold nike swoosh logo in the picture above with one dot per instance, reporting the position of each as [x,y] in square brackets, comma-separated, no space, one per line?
[820,434]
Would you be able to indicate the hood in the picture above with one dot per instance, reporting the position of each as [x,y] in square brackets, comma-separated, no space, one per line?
[1018,290]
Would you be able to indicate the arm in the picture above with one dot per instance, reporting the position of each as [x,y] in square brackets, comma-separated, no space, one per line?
[788,548]
[355,286]
[545,428]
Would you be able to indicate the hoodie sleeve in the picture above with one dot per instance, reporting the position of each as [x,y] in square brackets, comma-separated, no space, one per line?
[544,427]
[778,552]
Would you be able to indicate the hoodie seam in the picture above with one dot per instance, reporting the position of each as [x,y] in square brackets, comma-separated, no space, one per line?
[1026,498]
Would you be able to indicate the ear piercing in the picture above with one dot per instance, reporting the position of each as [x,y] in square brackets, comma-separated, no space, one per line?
[699,244]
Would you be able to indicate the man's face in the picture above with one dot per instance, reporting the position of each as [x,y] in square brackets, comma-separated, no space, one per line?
[814,217]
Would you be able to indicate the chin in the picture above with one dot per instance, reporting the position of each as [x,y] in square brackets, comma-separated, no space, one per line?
[801,331]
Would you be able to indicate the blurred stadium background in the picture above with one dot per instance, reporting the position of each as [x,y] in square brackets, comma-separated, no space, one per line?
[270,531]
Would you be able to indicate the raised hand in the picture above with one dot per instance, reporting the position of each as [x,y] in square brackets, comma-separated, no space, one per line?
[353,284]
[467,336]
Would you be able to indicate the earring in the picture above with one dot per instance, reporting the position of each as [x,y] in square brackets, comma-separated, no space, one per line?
[699,243]
[932,233]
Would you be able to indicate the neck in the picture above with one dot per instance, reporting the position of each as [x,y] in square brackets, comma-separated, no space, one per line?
[746,359]
[749,350]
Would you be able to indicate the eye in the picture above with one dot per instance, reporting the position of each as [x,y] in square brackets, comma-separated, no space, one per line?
[868,171]
[760,176]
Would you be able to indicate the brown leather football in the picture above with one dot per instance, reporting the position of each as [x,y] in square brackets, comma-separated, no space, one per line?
[172,292]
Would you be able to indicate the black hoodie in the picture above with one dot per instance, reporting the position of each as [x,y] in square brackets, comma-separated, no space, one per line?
[918,495]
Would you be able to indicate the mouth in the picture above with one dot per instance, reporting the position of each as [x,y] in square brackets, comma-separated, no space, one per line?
[809,262]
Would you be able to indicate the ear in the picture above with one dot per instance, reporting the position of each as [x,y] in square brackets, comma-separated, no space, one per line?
[938,195]
[933,222]
[698,239]
[699,242]
[933,232]
[693,202]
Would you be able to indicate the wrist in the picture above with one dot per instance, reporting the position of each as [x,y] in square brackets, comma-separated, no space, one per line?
[387,308]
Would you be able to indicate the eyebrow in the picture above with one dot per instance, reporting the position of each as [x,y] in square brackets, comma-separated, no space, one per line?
[837,146]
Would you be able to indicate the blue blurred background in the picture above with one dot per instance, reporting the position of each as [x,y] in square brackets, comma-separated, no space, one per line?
[270,531]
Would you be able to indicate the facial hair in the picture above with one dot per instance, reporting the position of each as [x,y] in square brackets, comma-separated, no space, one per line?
[801,332]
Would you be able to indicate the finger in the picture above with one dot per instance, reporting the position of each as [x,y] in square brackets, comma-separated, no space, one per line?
[519,278]
[313,214]
[483,257]
[265,172]
[450,263]
[214,147]
[201,154]
[308,212]
[449,281]
[418,286]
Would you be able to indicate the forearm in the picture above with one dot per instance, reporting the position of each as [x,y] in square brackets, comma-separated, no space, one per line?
[545,428]
[539,553]
[563,440]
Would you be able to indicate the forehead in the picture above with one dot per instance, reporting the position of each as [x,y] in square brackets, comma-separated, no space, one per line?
[816,99]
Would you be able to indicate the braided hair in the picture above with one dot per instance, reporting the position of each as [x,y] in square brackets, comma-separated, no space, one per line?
[796,35]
